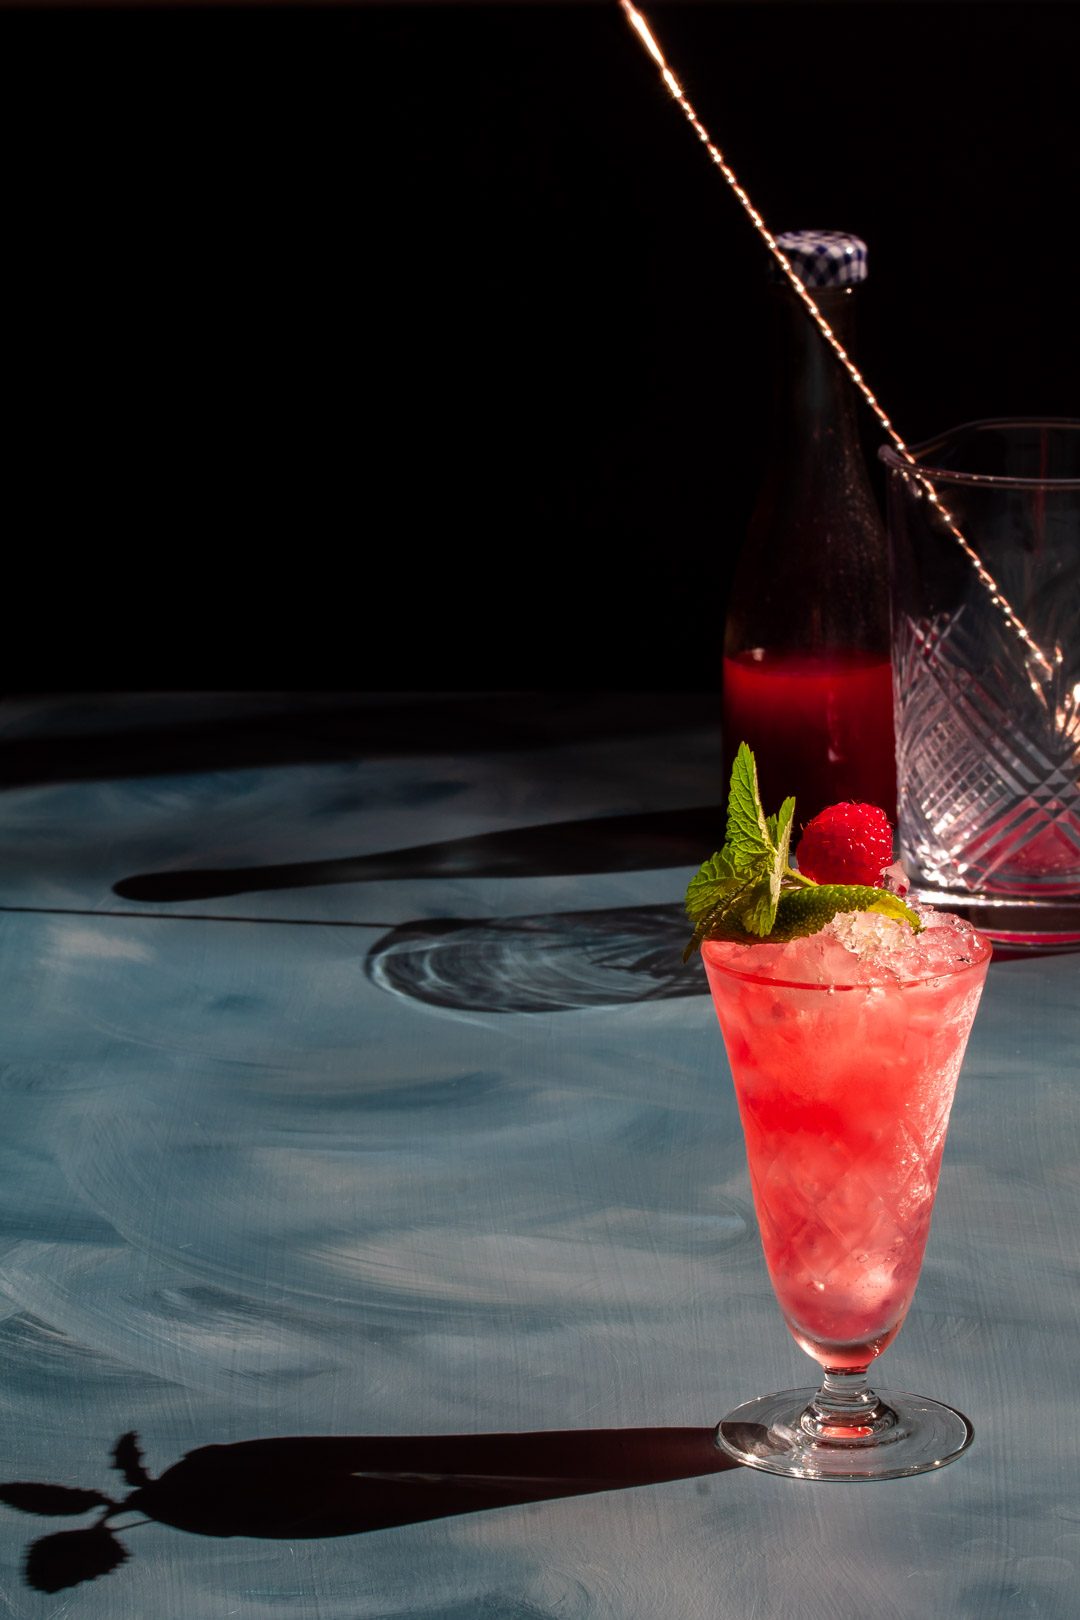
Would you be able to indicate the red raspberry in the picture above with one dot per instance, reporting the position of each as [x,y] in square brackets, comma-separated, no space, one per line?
[847,843]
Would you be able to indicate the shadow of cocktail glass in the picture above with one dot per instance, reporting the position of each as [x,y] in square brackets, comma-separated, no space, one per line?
[311,1487]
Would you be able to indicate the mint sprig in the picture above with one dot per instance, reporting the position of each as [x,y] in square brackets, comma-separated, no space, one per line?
[748,891]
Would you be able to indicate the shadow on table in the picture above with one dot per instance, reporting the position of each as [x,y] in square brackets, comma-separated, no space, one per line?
[550,962]
[321,732]
[652,840]
[303,1487]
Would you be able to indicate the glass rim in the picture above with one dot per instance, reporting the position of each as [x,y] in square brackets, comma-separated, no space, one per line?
[979,964]
[949,475]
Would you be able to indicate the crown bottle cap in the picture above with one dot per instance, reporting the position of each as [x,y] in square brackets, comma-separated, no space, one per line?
[822,258]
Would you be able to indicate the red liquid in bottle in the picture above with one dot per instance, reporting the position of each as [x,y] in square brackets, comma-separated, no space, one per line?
[820,726]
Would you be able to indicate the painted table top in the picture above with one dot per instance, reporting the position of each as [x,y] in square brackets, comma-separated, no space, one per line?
[374,1220]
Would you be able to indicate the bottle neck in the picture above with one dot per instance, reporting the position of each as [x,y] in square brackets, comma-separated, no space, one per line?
[814,397]
[812,573]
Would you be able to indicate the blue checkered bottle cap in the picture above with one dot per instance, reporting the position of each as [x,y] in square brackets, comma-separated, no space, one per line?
[822,258]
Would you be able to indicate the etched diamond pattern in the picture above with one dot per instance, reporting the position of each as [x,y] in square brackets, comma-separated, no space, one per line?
[989,765]
[861,1234]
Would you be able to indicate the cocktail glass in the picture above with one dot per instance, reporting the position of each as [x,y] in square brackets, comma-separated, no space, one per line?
[845,1059]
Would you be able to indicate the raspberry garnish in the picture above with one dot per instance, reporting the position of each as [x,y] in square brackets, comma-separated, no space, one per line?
[847,843]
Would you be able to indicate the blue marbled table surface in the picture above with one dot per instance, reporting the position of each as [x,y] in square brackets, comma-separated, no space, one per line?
[359,1120]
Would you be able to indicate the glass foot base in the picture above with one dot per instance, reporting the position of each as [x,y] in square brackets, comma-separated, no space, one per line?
[901,1434]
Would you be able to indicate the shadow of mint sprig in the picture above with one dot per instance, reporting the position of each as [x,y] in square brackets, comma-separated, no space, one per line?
[72,1556]
[749,892]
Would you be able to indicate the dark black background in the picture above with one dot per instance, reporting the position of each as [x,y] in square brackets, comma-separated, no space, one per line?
[402,346]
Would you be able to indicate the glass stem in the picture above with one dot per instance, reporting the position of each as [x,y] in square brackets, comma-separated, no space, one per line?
[846,1409]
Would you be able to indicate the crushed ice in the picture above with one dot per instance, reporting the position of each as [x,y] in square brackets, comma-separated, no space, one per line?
[891,946]
[869,933]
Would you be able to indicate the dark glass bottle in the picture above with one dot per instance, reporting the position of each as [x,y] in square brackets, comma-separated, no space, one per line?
[807,678]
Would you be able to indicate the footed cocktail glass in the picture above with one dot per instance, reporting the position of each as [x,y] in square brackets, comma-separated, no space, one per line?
[845,1049]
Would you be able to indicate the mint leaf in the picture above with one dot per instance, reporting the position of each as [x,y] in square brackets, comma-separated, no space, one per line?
[715,905]
[780,837]
[747,839]
[780,828]
[735,893]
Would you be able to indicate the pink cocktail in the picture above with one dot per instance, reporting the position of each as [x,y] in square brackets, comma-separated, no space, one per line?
[845,1048]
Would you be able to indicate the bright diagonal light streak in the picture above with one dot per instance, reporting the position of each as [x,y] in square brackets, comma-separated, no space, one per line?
[997,597]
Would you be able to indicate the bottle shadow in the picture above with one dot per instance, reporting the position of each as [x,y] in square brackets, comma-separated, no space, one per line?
[311,1487]
[654,839]
[318,732]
